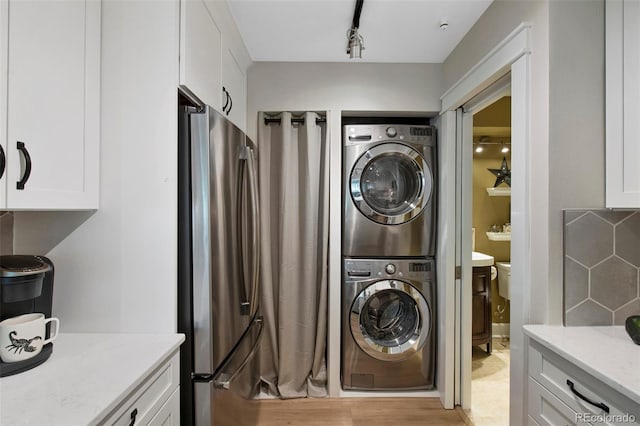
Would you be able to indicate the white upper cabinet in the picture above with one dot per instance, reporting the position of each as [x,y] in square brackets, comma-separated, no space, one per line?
[622,107]
[200,52]
[4,35]
[234,87]
[51,68]
[213,58]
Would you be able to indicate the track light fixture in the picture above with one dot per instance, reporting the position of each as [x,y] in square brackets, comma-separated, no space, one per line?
[355,45]
[355,42]
[484,142]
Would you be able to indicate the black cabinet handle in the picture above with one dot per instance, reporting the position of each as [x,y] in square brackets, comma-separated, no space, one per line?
[226,99]
[3,162]
[134,413]
[27,169]
[230,103]
[600,405]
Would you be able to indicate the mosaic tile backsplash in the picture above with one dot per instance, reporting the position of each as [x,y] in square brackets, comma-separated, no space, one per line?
[601,266]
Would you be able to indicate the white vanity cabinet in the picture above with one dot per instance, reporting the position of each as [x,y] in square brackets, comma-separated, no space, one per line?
[622,107]
[50,78]
[213,58]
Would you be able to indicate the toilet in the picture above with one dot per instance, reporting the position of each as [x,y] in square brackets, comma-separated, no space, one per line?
[504,278]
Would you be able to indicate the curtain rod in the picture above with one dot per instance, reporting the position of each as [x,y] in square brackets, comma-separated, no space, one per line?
[293,120]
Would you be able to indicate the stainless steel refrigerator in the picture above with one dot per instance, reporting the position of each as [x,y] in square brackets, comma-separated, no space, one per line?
[218,261]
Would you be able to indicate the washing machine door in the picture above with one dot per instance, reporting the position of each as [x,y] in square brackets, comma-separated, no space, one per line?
[391,183]
[390,320]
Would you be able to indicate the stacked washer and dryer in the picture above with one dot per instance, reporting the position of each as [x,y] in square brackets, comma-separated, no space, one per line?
[389,277]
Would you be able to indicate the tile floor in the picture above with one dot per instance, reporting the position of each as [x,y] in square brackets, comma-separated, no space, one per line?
[490,385]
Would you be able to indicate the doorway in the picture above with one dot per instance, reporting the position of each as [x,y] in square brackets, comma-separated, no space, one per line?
[491,259]
[512,56]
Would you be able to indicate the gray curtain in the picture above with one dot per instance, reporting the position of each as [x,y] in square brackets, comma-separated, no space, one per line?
[293,172]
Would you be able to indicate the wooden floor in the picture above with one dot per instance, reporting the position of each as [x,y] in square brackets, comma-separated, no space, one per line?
[356,412]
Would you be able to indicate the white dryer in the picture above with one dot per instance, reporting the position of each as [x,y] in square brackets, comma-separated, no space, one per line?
[389,190]
[388,324]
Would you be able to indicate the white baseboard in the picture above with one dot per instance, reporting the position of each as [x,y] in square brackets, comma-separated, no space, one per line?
[500,329]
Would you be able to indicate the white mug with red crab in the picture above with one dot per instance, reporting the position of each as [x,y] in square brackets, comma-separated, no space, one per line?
[23,337]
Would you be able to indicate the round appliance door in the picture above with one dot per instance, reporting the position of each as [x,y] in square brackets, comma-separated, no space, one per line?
[390,320]
[391,183]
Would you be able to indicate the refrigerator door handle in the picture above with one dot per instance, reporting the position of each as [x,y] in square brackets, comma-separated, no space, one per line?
[225,380]
[255,213]
[245,303]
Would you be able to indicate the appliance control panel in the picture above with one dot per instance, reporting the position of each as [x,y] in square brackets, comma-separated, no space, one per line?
[390,269]
[364,269]
[354,134]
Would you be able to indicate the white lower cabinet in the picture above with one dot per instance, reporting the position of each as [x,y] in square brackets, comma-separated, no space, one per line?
[169,413]
[155,402]
[560,393]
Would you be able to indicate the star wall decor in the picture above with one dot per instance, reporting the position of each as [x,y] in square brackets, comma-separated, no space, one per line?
[503,174]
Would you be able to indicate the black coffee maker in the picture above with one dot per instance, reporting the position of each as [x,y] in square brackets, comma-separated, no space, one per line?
[26,286]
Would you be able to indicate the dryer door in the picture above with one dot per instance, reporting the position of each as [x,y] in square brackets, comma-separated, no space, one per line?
[391,183]
[390,320]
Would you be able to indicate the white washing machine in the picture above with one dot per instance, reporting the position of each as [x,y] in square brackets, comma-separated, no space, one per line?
[388,324]
[389,190]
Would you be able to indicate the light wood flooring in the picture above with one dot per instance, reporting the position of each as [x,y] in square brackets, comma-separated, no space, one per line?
[356,412]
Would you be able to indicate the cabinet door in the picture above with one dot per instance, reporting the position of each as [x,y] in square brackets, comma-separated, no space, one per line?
[4,35]
[234,82]
[481,306]
[622,108]
[169,413]
[53,108]
[200,47]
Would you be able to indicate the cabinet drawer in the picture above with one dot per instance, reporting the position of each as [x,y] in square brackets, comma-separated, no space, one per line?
[147,399]
[169,413]
[531,422]
[545,409]
[553,373]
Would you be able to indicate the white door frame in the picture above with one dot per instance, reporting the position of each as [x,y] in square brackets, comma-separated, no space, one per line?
[512,54]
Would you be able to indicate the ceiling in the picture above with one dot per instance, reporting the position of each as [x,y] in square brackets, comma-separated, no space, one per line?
[315,30]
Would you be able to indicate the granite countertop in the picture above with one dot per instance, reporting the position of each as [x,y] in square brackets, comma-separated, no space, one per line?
[86,377]
[605,352]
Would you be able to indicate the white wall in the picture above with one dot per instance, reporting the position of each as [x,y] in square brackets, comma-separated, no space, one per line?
[567,159]
[498,21]
[576,123]
[293,86]
[116,268]
[338,87]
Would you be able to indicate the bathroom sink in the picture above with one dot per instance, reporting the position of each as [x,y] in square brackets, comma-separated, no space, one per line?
[481,259]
